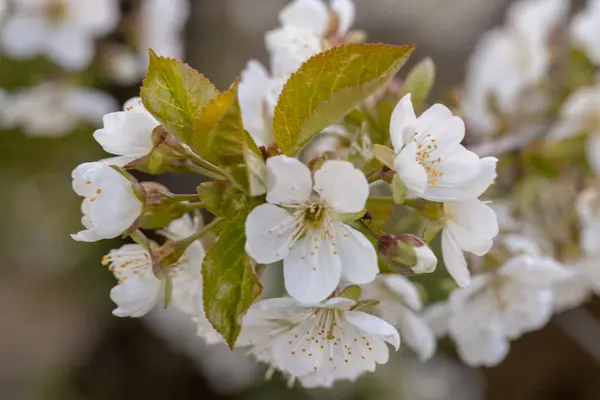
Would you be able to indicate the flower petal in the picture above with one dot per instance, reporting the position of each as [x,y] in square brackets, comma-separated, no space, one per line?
[404,289]
[402,123]
[410,171]
[484,179]
[70,48]
[23,35]
[416,334]
[375,326]
[343,186]
[252,93]
[126,133]
[472,223]
[136,296]
[269,231]
[359,259]
[312,270]
[593,152]
[288,182]
[346,13]
[455,260]
[437,315]
[307,14]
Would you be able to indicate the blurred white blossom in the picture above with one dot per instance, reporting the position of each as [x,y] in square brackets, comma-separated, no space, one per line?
[585,30]
[63,30]
[509,60]
[54,109]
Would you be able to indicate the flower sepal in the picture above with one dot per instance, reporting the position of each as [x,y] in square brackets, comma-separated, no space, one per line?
[161,206]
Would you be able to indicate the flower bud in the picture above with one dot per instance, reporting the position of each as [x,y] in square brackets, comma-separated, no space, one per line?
[168,154]
[408,251]
[160,206]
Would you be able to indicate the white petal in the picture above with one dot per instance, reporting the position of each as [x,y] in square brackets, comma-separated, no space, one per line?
[483,348]
[433,117]
[80,185]
[359,259]
[472,224]
[402,123]
[288,182]
[312,270]
[70,48]
[437,315]
[23,36]
[126,133]
[484,179]
[136,296]
[252,93]
[455,259]
[426,260]
[410,171]
[344,187]
[346,13]
[446,132]
[307,14]
[404,289]
[535,271]
[417,335]
[269,231]
[375,326]
[290,47]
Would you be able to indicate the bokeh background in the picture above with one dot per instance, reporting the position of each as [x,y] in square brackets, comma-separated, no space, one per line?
[58,339]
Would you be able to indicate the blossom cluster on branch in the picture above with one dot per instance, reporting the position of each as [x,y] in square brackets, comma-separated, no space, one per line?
[327,165]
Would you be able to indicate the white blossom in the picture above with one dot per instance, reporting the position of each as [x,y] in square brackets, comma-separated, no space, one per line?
[110,206]
[301,225]
[54,109]
[316,17]
[509,60]
[127,133]
[429,157]
[470,224]
[498,307]
[585,278]
[317,343]
[585,30]
[400,305]
[581,114]
[63,30]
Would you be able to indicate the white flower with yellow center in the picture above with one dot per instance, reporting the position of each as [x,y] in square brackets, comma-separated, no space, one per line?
[64,30]
[317,343]
[140,289]
[110,206]
[127,133]
[429,157]
[301,225]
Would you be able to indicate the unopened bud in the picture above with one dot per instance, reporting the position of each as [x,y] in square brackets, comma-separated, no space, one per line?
[408,251]
[167,154]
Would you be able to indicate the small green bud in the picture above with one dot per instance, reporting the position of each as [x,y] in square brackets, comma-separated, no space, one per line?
[407,253]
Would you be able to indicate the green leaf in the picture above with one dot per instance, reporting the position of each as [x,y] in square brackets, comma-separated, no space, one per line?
[328,86]
[219,137]
[230,284]
[175,94]
[419,81]
[224,200]
[351,292]
[384,154]
[257,171]
[399,190]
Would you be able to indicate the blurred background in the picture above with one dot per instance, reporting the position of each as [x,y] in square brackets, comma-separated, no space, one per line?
[58,339]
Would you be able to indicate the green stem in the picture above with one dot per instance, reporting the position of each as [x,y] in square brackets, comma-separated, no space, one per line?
[185,197]
[141,239]
[206,229]
[192,165]
[192,206]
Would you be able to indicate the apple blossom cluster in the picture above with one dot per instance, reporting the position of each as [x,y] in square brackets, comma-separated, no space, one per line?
[280,197]
[330,167]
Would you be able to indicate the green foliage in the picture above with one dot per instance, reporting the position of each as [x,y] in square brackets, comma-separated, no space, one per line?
[175,94]
[351,292]
[419,82]
[225,200]
[230,283]
[384,154]
[399,190]
[219,137]
[328,86]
